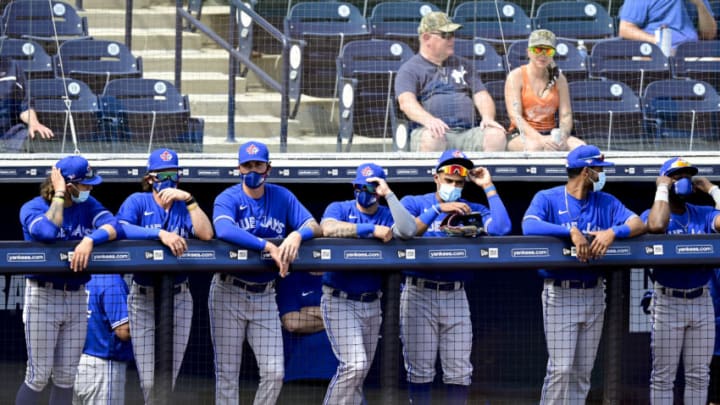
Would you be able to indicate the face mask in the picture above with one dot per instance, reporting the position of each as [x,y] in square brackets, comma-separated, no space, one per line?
[600,183]
[81,197]
[683,187]
[365,198]
[162,185]
[449,193]
[254,179]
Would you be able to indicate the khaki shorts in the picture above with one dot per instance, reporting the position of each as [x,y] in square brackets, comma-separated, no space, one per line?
[468,140]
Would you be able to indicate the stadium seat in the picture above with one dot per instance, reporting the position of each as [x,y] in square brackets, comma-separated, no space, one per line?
[682,114]
[494,22]
[146,113]
[325,27]
[567,57]
[497,92]
[96,62]
[399,20]
[483,56]
[47,22]
[698,60]
[634,63]
[49,101]
[585,20]
[30,57]
[607,113]
[366,71]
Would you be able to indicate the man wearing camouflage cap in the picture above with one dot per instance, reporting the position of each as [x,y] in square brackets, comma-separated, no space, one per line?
[439,92]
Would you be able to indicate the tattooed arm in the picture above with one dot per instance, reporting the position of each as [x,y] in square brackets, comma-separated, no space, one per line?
[57,202]
[564,110]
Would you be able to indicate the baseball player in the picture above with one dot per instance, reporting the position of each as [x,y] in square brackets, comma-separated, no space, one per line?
[243,304]
[350,302]
[308,354]
[101,373]
[55,306]
[714,389]
[161,206]
[574,300]
[682,310]
[434,310]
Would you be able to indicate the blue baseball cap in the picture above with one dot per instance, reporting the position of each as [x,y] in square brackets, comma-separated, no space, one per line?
[586,156]
[367,170]
[76,169]
[162,159]
[675,165]
[454,157]
[253,151]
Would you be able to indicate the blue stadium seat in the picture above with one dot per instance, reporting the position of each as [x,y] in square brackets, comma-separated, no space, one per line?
[483,56]
[96,62]
[29,55]
[366,76]
[399,20]
[698,60]
[49,101]
[634,63]
[44,21]
[567,57]
[607,113]
[495,22]
[682,114]
[145,113]
[497,92]
[325,27]
[585,20]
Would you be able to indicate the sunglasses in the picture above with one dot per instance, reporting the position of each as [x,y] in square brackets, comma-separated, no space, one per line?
[163,176]
[370,188]
[454,169]
[444,35]
[541,50]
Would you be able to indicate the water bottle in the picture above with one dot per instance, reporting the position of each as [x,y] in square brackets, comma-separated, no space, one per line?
[556,135]
[663,39]
[582,50]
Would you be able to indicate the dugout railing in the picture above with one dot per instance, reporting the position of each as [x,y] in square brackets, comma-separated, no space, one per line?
[479,254]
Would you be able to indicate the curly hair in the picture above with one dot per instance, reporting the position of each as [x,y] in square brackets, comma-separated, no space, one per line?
[553,75]
[46,189]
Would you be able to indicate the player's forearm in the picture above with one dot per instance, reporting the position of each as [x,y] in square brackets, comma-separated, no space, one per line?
[413,110]
[707,26]
[339,229]
[628,30]
[659,217]
[123,332]
[404,226]
[229,232]
[542,228]
[500,223]
[301,322]
[201,224]
[637,226]
[55,211]
[485,105]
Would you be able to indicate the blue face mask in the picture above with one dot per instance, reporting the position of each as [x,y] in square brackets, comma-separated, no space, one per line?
[254,179]
[600,183]
[365,198]
[162,185]
[81,197]
[449,193]
[683,187]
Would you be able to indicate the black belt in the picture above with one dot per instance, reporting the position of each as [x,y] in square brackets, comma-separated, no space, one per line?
[680,293]
[56,286]
[145,290]
[436,285]
[364,297]
[579,284]
[249,287]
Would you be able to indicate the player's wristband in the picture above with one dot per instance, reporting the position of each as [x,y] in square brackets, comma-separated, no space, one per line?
[662,193]
[715,193]
[190,200]
[429,215]
[99,236]
[305,233]
[490,189]
[365,230]
[621,231]
[58,199]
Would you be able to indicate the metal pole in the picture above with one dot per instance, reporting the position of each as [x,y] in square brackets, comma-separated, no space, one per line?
[164,307]
[178,45]
[232,69]
[616,321]
[128,23]
[389,353]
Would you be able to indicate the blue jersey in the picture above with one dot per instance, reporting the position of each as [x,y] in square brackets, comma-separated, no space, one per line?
[107,309]
[79,220]
[416,205]
[298,290]
[274,215]
[355,282]
[697,219]
[597,212]
[142,210]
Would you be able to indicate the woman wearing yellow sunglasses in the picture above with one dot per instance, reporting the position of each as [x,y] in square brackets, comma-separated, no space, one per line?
[534,94]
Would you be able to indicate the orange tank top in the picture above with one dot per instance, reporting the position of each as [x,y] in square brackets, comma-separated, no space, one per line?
[539,112]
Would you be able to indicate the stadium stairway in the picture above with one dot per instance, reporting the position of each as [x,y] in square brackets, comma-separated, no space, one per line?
[205,79]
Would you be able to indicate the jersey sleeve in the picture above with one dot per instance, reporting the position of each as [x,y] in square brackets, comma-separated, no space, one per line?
[406,80]
[635,12]
[34,222]
[298,215]
[114,302]
[620,212]
[100,215]
[226,225]
[129,211]
[411,205]
[334,211]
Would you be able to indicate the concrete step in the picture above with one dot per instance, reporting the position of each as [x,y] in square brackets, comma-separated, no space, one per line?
[120,4]
[254,103]
[149,38]
[153,17]
[299,144]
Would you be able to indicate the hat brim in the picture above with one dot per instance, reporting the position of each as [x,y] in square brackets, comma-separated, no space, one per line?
[466,163]
[541,43]
[161,168]
[94,181]
[687,169]
[452,27]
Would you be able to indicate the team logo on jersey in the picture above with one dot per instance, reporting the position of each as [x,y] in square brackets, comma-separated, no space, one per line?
[166,156]
[252,149]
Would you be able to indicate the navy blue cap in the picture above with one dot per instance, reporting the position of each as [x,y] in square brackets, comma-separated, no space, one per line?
[454,157]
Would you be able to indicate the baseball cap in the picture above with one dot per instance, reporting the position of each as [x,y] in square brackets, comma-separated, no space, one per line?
[366,170]
[542,38]
[675,165]
[454,157]
[76,169]
[437,21]
[162,159]
[586,156]
[253,151]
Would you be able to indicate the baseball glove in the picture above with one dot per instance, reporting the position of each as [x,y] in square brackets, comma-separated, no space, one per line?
[463,225]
